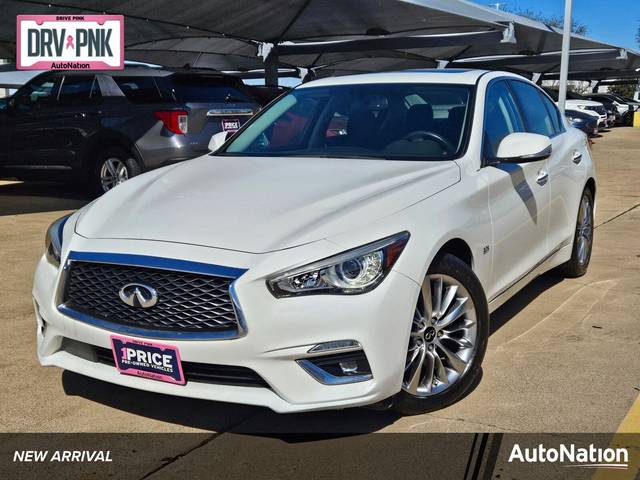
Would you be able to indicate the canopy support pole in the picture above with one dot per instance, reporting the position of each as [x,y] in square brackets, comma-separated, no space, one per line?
[564,58]
[271,70]
[269,54]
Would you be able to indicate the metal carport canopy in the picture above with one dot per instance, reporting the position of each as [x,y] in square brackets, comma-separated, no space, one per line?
[531,38]
[211,27]
[597,74]
[607,58]
[230,35]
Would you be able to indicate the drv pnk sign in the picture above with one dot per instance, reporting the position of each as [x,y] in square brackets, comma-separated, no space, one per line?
[70,42]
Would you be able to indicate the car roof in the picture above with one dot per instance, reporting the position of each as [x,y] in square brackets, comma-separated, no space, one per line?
[449,76]
[144,71]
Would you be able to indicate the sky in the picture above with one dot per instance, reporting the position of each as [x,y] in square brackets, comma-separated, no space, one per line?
[611,21]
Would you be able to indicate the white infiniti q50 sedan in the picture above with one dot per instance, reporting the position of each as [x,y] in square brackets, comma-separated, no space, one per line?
[344,248]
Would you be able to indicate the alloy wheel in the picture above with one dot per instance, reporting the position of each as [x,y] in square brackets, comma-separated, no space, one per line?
[443,337]
[584,230]
[113,172]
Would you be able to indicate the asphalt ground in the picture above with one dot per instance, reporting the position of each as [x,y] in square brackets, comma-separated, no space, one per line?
[563,355]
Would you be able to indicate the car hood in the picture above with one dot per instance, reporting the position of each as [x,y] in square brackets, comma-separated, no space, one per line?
[261,204]
[588,103]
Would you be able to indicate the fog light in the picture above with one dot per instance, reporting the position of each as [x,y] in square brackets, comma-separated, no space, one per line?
[349,367]
[338,368]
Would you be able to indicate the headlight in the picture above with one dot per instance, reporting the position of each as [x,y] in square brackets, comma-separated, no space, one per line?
[53,241]
[354,271]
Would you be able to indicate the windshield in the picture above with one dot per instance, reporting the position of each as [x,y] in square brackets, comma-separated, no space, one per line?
[620,99]
[393,121]
[205,89]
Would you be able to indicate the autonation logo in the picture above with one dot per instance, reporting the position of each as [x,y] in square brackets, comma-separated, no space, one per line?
[70,42]
[572,456]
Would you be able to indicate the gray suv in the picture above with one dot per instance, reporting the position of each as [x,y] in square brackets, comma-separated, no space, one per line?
[101,128]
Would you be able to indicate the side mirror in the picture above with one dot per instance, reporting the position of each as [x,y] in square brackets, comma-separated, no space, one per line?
[217,141]
[523,148]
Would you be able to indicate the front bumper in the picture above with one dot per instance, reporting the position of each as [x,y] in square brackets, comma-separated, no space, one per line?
[279,332]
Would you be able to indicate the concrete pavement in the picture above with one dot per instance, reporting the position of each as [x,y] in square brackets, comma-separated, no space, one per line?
[563,354]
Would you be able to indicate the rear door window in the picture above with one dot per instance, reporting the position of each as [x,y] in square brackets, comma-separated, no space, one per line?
[553,112]
[139,89]
[536,116]
[79,90]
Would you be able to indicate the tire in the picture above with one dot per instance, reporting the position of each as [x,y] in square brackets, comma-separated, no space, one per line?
[112,166]
[627,120]
[443,378]
[583,239]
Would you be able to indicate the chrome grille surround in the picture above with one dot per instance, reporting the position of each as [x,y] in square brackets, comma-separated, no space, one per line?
[196,300]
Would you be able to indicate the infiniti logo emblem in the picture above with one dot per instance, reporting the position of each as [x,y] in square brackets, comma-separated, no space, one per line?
[139,295]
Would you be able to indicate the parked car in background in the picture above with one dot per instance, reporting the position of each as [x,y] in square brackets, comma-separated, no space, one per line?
[613,115]
[624,107]
[101,128]
[576,101]
[344,248]
[583,121]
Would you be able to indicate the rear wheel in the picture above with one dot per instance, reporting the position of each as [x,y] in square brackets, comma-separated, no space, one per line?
[113,167]
[448,338]
[583,239]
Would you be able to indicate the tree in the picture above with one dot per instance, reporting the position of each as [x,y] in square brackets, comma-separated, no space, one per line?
[553,20]
[623,90]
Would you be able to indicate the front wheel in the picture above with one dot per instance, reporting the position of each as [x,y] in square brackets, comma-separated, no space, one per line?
[448,338]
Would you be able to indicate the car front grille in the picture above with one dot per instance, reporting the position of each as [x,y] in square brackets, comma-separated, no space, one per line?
[187,302]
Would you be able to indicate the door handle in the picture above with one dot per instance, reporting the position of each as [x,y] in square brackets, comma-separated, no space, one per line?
[87,114]
[543,176]
[577,157]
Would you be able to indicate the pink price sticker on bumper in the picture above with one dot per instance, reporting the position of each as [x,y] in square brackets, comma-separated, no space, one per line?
[70,42]
[144,358]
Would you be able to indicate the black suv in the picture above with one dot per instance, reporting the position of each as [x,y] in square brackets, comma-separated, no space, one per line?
[105,127]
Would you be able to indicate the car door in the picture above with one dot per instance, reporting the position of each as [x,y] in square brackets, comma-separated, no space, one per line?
[32,135]
[6,126]
[563,166]
[518,195]
[74,118]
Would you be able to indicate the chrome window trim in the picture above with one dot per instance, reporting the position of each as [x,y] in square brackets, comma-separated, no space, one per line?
[161,263]
[225,112]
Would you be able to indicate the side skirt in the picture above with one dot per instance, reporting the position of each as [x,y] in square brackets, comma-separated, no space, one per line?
[558,256]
